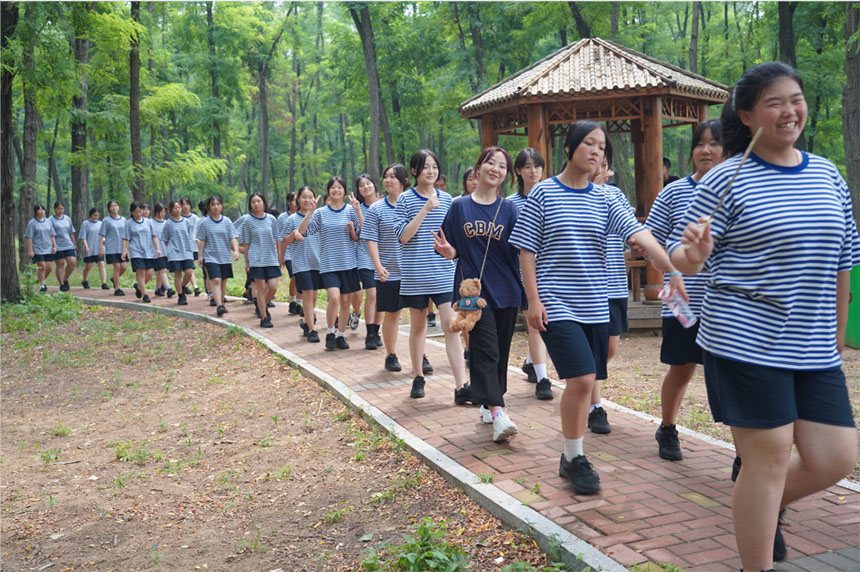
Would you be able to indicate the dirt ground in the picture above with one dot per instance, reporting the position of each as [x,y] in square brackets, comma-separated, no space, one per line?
[136,441]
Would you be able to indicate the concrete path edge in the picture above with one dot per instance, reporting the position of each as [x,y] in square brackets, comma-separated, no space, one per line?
[552,538]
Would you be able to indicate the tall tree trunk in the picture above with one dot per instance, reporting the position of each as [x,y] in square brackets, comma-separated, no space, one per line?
[134,108]
[787,53]
[613,19]
[213,75]
[477,41]
[98,193]
[350,146]
[851,105]
[31,126]
[80,172]
[53,172]
[10,289]
[361,16]
[263,124]
[462,37]
[692,60]
[582,27]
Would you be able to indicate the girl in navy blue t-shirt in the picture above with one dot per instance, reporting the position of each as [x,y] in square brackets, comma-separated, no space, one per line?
[475,234]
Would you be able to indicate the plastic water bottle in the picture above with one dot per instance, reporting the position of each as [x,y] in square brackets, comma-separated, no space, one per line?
[679,307]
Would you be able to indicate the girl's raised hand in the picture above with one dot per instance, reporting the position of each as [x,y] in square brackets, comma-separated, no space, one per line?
[297,236]
[354,202]
[442,246]
[431,203]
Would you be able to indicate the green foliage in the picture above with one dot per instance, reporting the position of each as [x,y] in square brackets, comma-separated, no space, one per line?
[37,311]
[424,549]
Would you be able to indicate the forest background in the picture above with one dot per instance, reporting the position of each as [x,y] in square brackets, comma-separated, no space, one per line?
[160,100]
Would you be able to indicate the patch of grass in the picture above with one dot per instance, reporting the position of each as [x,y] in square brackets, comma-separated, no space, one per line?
[485,478]
[61,430]
[337,515]
[424,549]
[256,545]
[50,455]
[39,311]
[127,451]
[343,415]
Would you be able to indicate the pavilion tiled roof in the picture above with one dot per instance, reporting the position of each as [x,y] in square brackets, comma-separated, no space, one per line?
[593,67]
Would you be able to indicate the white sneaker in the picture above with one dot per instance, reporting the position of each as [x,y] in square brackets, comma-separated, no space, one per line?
[486,415]
[503,428]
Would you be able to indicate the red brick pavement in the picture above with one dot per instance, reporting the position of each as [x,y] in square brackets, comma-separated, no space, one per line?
[649,509]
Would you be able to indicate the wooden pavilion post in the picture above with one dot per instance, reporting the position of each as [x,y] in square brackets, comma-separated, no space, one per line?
[652,156]
[540,133]
[489,137]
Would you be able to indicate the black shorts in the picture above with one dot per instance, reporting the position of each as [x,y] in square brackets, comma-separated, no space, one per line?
[388,296]
[42,258]
[160,264]
[367,278]
[288,264]
[114,259]
[264,272]
[421,301]
[222,271]
[759,397]
[618,316]
[679,343]
[142,263]
[93,258]
[344,280]
[194,255]
[309,280]
[180,265]
[577,349]
[63,254]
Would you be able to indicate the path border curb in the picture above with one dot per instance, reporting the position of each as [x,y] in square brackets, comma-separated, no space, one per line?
[573,551]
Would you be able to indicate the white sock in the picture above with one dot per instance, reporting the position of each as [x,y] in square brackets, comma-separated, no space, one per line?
[573,448]
[338,334]
[595,406]
[330,330]
[529,358]
[540,371]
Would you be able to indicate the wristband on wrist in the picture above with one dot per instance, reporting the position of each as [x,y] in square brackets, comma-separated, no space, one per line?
[674,273]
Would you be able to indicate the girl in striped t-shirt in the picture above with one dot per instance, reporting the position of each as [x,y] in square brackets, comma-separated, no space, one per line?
[177,235]
[780,245]
[305,254]
[191,218]
[90,241]
[218,247]
[379,233]
[561,233]
[528,167]
[137,245]
[367,195]
[426,275]
[338,225]
[162,283]
[41,244]
[110,245]
[258,237]
[65,258]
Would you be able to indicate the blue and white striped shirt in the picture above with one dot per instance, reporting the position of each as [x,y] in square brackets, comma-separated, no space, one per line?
[158,227]
[193,220]
[361,254]
[380,226]
[237,224]
[666,212]
[63,229]
[260,234]
[90,233]
[305,253]
[282,220]
[422,270]
[337,250]
[780,237]
[113,229]
[567,229]
[217,236]
[518,200]
[139,236]
[177,234]
[40,232]
[616,268]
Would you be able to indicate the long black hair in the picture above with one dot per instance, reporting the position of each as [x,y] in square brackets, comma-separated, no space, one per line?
[579,131]
[419,159]
[735,135]
[523,158]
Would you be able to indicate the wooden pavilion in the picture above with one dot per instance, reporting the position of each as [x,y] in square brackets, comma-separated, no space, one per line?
[602,81]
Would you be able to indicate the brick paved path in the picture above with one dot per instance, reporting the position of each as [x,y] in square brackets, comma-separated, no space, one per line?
[649,511]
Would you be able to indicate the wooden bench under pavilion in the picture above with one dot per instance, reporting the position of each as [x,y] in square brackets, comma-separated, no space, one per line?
[602,81]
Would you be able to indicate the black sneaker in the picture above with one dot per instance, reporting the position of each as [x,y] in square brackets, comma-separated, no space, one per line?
[266,322]
[159,291]
[137,292]
[779,551]
[221,311]
[146,299]
[44,289]
[463,395]
[65,286]
[426,368]
[85,284]
[183,300]
[329,342]
[292,308]
[581,475]
[736,468]
[597,421]
[305,328]
[353,320]
[369,342]
[313,337]
[301,311]
[529,370]
[431,320]
[170,292]
[212,302]
[341,343]
[117,292]
[270,304]
[377,339]
[417,388]
[668,443]
[543,390]
[186,290]
[197,292]
[105,286]
[392,363]
[467,357]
